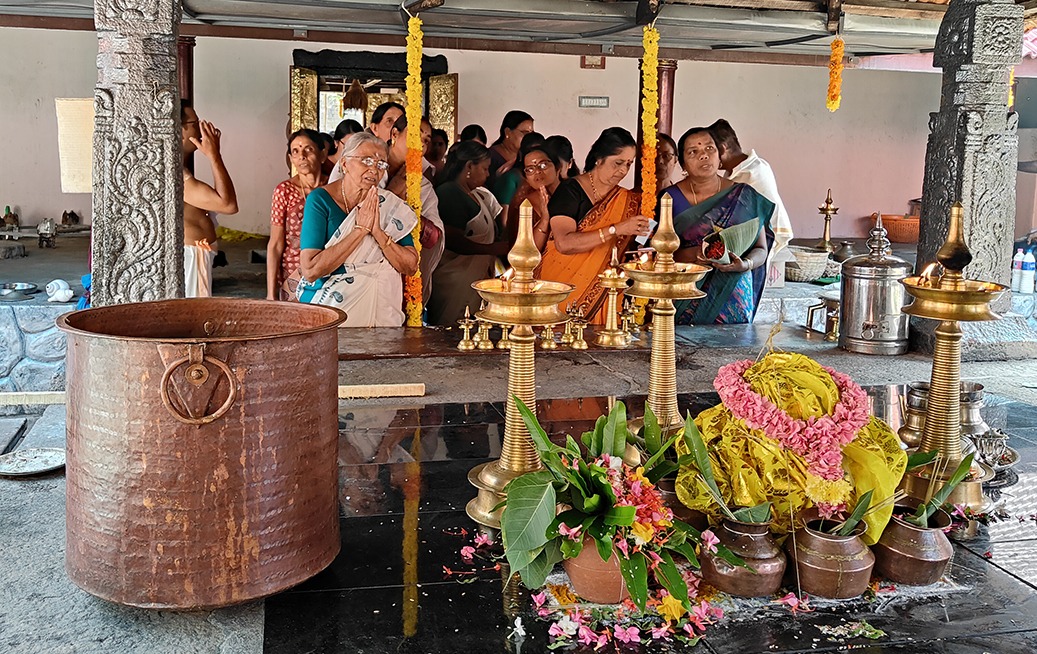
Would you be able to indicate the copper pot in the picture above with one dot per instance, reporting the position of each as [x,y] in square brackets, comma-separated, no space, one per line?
[667,489]
[202,449]
[837,567]
[595,580]
[908,554]
[753,543]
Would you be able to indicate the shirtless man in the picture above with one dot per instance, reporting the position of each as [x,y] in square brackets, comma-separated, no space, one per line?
[200,243]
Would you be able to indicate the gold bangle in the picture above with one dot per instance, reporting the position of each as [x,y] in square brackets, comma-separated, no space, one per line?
[601,235]
[542,231]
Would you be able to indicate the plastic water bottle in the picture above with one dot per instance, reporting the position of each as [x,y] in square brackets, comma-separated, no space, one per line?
[1017,270]
[1027,278]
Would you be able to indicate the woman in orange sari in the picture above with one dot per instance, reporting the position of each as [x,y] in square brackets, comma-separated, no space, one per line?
[590,215]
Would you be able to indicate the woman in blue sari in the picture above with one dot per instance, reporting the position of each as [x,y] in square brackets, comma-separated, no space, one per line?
[704,200]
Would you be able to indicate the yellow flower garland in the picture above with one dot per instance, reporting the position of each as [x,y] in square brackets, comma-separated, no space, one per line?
[412,285]
[835,74]
[1011,88]
[649,118]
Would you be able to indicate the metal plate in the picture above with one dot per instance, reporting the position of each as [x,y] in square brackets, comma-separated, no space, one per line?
[22,287]
[32,461]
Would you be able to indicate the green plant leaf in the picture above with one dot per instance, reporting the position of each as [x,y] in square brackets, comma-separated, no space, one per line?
[622,516]
[592,439]
[755,514]
[571,548]
[667,574]
[547,450]
[687,550]
[571,518]
[658,456]
[535,574]
[614,440]
[571,445]
[690,532]
[921,517]
[652,432]
[661,470]
[529,512]
[697,447]
[520,559]
[863,502]
[635,573]
[726,554]
[919,459]
[604,546]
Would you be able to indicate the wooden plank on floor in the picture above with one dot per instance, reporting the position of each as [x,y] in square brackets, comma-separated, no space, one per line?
[380,390]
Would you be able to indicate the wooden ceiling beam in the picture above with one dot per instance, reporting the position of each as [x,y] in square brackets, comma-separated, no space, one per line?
[895,9]
[768,5]
[835,14]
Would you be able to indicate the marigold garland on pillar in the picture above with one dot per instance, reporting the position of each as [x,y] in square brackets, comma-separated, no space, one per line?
[412,285]
[1011,88]
[835,74]
[649,118]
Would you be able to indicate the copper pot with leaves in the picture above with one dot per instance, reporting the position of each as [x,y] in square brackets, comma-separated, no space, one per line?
[745,531]
[913,549]
[828,556]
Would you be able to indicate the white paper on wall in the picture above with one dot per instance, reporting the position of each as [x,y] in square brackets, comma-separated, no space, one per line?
[75,143]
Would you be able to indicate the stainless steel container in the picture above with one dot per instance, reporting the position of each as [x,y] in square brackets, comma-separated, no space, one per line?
[870,318]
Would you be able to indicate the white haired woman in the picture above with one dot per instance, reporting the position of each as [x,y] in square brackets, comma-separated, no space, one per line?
[356,241]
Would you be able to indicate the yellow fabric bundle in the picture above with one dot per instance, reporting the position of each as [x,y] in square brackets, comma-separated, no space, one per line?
[750,467]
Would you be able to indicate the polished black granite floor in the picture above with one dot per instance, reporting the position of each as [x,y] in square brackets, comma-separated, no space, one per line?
[403,489]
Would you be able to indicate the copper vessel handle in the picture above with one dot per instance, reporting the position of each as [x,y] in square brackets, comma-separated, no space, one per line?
[197,374]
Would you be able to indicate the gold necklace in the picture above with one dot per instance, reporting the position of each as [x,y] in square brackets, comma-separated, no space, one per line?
[694,197]
[594,188]
[345,203]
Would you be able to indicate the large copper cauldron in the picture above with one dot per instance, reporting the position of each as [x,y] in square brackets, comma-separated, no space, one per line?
[202,449]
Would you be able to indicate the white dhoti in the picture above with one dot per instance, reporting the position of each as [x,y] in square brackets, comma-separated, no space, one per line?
[198,270]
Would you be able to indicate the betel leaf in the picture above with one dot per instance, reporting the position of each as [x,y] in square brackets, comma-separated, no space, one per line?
[622,516]
[921,517]
[670,577]
[529,512]
[652,433]
[863,502]
[614,441]
[919,459]
[635,574]
[754,514]
[535,574]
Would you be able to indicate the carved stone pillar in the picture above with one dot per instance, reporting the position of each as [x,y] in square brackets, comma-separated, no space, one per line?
[138,231]
[972,150]
[667,72]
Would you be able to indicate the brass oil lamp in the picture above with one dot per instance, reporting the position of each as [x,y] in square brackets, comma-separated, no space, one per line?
[521,302]
[613,280]
[950,299]
[664,281]
[828,210]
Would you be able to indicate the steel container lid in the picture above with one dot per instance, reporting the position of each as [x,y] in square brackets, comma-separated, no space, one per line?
[879,263]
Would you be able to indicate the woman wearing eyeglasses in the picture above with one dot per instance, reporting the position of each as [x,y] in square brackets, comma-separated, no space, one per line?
[665,162]
[356,240]
[470,217]
[541,169]
[590,215]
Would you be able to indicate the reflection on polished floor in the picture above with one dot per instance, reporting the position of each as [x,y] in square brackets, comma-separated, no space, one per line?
[403,489]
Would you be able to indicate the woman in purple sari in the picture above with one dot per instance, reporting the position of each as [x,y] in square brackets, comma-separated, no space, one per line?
[704,200]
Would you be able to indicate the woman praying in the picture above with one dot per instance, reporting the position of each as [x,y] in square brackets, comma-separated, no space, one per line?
[286,211]
[590,215]
[505,149]
[432,242]
[356,240]
[541,168]
[470,216]
[702,202]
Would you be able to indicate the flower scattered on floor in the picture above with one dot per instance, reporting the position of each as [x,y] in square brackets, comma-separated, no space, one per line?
[709,541]
[467,552]
[482,540]
[670,608]
[628,635]
[857,629]
[796,604]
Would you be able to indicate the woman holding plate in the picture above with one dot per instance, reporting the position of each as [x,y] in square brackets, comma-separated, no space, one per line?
[704,203]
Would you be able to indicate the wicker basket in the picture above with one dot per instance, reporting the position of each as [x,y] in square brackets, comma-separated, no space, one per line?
[901,229]
[809,264]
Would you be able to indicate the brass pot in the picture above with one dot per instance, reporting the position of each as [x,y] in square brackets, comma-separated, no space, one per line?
[667,489]
[837,567]
[754,544]
[908,554]
[595,580]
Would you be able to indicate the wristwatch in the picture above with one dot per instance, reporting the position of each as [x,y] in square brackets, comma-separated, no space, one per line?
[612,230]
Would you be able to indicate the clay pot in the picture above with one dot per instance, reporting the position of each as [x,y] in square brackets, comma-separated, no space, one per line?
[907,554]
[595,580]
[837,567]
[696,519]
[755,545]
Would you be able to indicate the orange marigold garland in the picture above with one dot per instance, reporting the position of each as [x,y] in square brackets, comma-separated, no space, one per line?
[1011,88]
[649,118]
[412,285]
[835,74]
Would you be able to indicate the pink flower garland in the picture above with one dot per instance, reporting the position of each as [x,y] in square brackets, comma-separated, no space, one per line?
[818,440]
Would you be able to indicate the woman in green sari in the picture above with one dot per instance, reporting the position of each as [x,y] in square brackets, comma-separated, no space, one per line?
[703,201]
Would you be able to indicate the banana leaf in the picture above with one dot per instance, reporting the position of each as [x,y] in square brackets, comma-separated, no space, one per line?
[738,238]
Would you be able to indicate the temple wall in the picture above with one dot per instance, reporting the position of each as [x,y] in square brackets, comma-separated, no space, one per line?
[870,152]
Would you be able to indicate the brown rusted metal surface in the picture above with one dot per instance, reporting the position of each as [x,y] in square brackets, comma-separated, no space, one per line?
[837,567]
[202,449]
[755,545]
